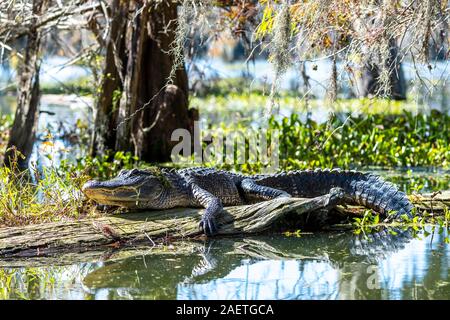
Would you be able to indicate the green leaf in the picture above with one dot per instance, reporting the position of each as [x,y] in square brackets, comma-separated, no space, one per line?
[393,232]
[376,219]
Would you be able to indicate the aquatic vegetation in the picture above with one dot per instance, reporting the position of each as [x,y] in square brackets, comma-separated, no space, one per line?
[368,219]
[81,86]
[35,282]
[419,225]
[99,167]
[351,133]
[348,141]
[223,97]
[404,140]
[416,181]
[441,222]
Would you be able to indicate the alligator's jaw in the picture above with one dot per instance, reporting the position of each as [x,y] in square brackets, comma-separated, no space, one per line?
[107,194]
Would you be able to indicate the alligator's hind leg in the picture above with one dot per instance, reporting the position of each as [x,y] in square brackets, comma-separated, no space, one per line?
[254,192]
[213,207]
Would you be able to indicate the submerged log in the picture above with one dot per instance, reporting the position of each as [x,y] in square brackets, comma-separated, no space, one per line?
[91,237]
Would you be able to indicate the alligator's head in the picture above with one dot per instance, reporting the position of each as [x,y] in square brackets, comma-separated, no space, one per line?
[130,189]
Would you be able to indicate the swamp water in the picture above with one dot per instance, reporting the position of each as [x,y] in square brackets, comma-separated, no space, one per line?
[313,266]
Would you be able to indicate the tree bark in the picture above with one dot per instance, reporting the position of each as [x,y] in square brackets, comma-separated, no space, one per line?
[150,107]
[104,135]
[368,83]
[24,128]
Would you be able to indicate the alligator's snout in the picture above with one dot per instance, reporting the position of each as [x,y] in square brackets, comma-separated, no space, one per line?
[111,193]
[96,190]
[89,185]
[124,190]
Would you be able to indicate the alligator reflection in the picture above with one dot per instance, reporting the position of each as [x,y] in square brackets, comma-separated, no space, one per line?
[320,266]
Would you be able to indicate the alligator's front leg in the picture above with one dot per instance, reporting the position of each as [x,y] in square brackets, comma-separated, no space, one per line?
[254,191]
[213,207]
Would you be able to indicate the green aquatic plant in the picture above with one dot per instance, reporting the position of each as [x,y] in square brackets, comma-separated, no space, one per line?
[225,97]
[442,222]
[297,233]
[404,140]
[357,141]
[35,282]
[81,86]
[366,223]
[420,225]
[372,140]
[100,167]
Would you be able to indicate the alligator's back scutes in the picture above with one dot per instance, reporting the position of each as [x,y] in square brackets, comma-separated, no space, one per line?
[211,188]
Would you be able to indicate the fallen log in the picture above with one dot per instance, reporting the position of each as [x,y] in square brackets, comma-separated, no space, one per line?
[149,226]
[117,231]
[431,202]
[436,202]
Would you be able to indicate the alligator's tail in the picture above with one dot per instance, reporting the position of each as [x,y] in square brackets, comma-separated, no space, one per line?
[374,192]
[366,189]
[370,190]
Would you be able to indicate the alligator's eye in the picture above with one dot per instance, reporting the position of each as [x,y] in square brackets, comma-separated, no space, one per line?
[122,172]
[134,171]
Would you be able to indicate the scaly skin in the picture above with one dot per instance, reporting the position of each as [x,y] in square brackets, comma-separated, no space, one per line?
[213,189]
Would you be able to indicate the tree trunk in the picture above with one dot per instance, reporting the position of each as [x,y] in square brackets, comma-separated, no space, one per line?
[150,108]
[104,135]
[24,128]
[368,83]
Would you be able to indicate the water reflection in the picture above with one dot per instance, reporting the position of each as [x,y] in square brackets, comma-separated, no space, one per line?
[319,266]
[323,266]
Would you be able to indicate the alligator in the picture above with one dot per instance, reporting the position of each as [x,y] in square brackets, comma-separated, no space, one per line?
[213,189]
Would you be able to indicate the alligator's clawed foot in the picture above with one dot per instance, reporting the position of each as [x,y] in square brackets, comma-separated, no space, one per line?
[336,196]
[208,226]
